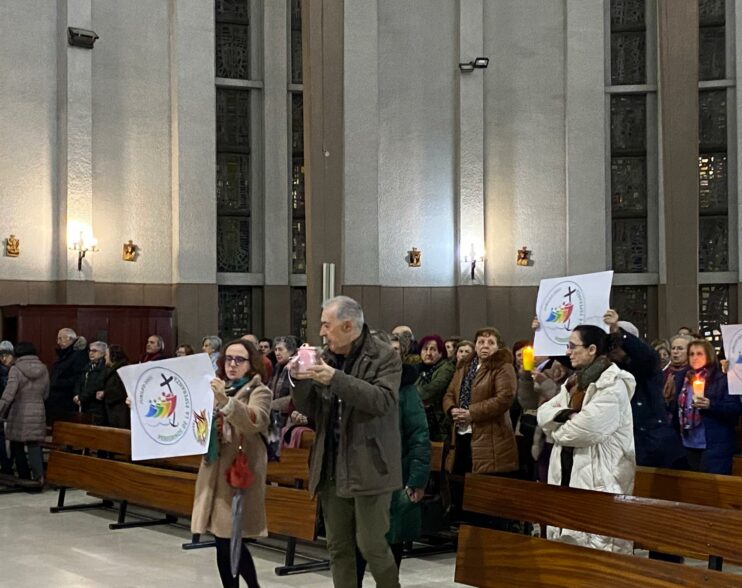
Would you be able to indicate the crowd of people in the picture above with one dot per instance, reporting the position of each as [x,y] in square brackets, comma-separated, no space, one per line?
[376,400]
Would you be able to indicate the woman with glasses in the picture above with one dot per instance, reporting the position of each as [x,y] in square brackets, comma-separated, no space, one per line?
[705,414]
[590,423]
[241,416]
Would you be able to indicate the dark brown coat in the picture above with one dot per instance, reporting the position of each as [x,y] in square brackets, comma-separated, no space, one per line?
[22,402]
[493,448]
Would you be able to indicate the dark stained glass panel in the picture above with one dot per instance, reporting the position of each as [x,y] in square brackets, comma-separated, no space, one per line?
[232,183]
[713,244]
[628,58]
[628,124]
[235,312]
[298,246]
[711,12]
[630,245]
[712,53]
[232,51]
[713,311]
[296,50]
[232,120]
[232,10]
[631,304]
[628,186]
[628,14]
[712,120]
[712,183]
[233,244]
[299,313]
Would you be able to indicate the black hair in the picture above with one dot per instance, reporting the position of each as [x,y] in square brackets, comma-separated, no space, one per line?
[117,354]
[269,341]
[592,335]
[24,348]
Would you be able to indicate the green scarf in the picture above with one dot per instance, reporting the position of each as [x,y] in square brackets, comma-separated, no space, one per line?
[591,374]
[212,454]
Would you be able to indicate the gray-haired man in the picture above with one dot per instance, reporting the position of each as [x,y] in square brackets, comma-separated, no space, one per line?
[353,397]
[90,382]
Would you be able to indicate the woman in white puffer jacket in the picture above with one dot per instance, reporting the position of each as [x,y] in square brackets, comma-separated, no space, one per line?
[591,425]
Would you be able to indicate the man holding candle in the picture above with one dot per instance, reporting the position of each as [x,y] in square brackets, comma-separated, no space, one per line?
[706,414]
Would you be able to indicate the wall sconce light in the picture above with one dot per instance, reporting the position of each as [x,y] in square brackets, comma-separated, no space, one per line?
[414,257]
[472,259]
[83,247]
[476,63]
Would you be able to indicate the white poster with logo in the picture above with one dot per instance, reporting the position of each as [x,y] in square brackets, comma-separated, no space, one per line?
[564,303]
[171,406]
[732,338]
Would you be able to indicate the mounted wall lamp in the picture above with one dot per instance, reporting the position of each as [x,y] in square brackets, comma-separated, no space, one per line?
[472,258]
[476,63]
[82,247]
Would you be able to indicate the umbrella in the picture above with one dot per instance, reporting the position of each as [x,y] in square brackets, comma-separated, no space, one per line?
[235,543]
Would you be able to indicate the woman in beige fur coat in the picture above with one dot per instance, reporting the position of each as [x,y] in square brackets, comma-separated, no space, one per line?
[241,417]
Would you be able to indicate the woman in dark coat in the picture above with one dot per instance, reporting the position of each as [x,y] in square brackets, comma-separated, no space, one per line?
[706,423]
[436,372]
[22,404]
[113,395]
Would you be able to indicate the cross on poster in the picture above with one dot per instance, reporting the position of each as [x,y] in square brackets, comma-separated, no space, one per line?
[732,337]
[564,303]
[171,406]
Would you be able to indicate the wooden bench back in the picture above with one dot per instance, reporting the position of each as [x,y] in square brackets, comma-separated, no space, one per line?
[293,465]
[82,436]
[291,512]
[682,529]
[491,559]
[167,490]
[689,487]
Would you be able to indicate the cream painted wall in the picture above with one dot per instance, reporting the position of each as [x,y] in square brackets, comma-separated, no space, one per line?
[131,140]
[28,134]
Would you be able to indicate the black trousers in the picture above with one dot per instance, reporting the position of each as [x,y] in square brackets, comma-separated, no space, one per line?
[397,549]
[224,564]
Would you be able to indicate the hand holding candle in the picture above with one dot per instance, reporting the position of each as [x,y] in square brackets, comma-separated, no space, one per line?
[698,388]
[528,359]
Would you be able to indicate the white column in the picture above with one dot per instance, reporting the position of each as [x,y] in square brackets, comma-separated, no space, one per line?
[587,214]
[471,144]
[75,145]
[193,141]
[277,235]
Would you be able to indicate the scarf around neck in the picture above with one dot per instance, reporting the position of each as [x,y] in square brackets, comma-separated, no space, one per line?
[581,380]
[217,420]
[690,418]
[466,384]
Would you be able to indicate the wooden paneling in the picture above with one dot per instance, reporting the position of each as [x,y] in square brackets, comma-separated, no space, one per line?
[442,312]
[471,309]
[391,301]
[372,305]
[492,559]
[416,310]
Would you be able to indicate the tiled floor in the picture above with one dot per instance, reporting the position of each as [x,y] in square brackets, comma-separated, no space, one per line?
[76,549]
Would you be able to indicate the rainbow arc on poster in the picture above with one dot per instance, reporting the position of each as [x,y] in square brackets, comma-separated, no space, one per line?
[560,315]
[162,408]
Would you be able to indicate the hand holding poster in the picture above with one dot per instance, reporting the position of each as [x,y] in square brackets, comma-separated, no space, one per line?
[171,406]
[564,303]
[732,337]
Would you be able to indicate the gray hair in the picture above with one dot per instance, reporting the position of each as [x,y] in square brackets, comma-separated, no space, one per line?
[287,341]
[160,342]
[69,332]
[346,309]
[6,347]
[214,342]
[686,338]
[101,346]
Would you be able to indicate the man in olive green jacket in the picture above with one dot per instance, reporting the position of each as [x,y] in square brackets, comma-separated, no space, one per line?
[353,397]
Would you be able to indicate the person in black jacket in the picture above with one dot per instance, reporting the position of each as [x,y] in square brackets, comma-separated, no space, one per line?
[66,370]
[90,382]
[6,360]
[656,443]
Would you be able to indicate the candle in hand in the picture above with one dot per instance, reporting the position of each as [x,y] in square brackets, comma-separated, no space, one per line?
[698,386]
[528,359]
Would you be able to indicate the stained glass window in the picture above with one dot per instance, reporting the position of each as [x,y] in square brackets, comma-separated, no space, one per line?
[628,42]
[713,188]
[712,40]
[233,244]
[630,252]
[232,183]
[235,312]
[232,51]
[296,51]
[233,120]
[298,230]
[299,313]
[631,304]
[298,246]
[713,311]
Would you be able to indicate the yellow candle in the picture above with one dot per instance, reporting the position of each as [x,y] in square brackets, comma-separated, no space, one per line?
[698,386]
[528,359]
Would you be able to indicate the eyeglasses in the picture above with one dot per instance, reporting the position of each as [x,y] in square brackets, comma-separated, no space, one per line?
[572,346]
[235,359]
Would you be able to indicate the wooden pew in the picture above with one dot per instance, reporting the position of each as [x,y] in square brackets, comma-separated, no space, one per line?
[661,525]
[689,487]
